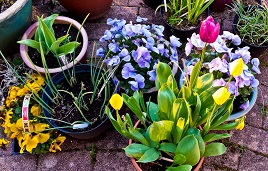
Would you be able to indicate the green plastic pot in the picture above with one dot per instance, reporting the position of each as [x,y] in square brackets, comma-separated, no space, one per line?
[13,23]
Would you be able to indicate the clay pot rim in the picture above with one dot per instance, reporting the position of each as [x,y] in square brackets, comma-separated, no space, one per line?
[59,20]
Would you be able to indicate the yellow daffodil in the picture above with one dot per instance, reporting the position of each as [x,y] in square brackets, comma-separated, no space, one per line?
[55,145]
[29,143]
[236,67]
[221,95]
[241,123]
[3,142]
[180,123]
[116,101]
[36,110]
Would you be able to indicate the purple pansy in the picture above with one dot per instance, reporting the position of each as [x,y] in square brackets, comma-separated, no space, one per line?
[100,52]
[255,65]
[140,19]
[124,54]
[138,83]
[128,71]
[245,105]
[112,61]
[113,47]
[218,65]
[174,42]
[219,82]
[142,57]
[244,53]
[152,73]
[188,47]
[107,36]
[233,89]
[197,42]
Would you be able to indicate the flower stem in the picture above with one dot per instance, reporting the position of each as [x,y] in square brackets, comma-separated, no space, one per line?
[166,159]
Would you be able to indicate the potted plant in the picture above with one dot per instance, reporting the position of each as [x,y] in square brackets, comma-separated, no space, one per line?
[22,119]
[133,50]
[62,50]
[250,24]
[153,3]
[13,23]
[95,9]
[182,17]
[217,61]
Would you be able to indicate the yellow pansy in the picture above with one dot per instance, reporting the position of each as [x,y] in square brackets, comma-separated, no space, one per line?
[12,93]
[21,92]
[16,129]
[36,110]
[38,78]
[3,142]
[221,95]
[241,123]
[42,137]
[116,101]
[180,123]
[55,145]
[236,67]
[29,143]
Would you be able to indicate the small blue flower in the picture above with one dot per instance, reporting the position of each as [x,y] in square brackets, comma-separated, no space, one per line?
[128,71]
[113,47]
[188,47]
[152,73]
[115,60]
[100,52]
[197,42]
[233,88]
[142,57]
[218,65]
[138,83]
[159,29]
[107,36]
[255,62]
[125,55]
[174,41]
[219,82]
[139,19]
[244,53]
[245,105]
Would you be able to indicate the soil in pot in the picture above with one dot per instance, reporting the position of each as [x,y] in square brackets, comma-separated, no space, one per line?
[6,4]
[52,62]
[65,109]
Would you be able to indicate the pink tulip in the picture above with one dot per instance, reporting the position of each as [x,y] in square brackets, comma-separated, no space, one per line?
[209,30]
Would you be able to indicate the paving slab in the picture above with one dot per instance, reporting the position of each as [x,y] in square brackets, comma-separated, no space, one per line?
[251,161]
[252,138]
[73,161]
[18,162]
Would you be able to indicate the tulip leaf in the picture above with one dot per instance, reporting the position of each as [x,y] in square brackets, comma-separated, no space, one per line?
[179,159]
[136,150]
[204,82]
[195,108]
[150,155]
[172,83]
[114,122]
[186,92]
[138,136]
[214,136]
[161,130]
[153,111]
[31,43]
[68,48]
[133,105]
[215,149]
[197,135]
[55,45]
[165,99]
[181,108]
[180,168]
[49,37]
[167,147]
[228,126]
[188,146]
[163,71]
[194,75]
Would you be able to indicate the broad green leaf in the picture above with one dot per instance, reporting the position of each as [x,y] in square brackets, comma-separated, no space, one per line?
[215,149]
[138,136]
[167,147]
[186,92]
[68,48]
[136,150]
[153,109]
[114,122]
[180,168]
[165,99]
[163,71]
[161,130]
[49,21]
[172,83]
[188,146]
[55,45]
[150,155]
[181,108]
[48,35]
[197,135]
[204,82]
[31,43]
[213,137]
[228,126]
[196,108]
[179,159]
[133,105]
[194,75]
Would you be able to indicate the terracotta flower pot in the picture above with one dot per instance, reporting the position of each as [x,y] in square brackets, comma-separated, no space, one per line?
[96,8]
[137,167]
[59,20]
[13,23]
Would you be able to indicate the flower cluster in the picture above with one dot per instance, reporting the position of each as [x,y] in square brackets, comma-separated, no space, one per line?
[39,139]
[135,50]
[218,59]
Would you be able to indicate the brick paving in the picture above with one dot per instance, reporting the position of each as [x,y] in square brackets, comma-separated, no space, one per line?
[247,149]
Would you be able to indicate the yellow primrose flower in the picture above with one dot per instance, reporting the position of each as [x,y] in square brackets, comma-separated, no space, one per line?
[55,145]
[36,110]
[3,142]
[180,123]
[241,124]
[221,95]
[236,67]
[116,101]
[29,143]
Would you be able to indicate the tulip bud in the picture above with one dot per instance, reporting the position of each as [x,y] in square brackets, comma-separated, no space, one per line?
[209,30]
[221,95]
[116,101]
[236,67]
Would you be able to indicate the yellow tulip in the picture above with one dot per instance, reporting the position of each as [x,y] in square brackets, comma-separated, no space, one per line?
[236,67]
[221,95]
[241,124]
[116,101]
[180,123]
